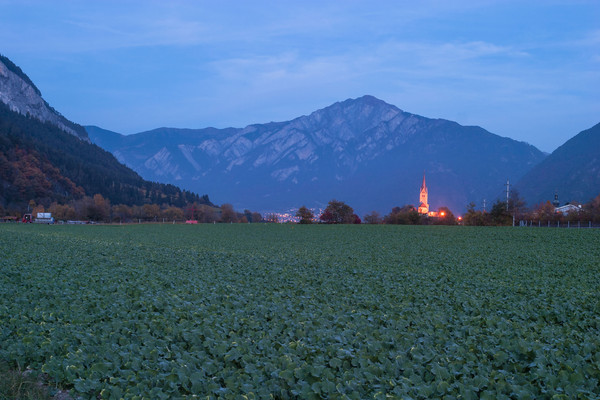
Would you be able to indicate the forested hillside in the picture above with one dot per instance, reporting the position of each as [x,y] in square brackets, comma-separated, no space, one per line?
[40,162]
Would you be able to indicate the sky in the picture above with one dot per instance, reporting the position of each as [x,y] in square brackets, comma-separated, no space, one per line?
[528,70]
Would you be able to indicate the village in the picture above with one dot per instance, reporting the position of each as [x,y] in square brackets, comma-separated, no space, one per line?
[508,212]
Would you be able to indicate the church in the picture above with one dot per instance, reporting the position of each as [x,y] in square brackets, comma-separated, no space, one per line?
[423,202]
[423,205]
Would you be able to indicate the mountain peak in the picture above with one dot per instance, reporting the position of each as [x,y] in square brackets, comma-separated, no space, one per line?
[371,100]
[364,101]
[354,117]
[19,93]
[364,150]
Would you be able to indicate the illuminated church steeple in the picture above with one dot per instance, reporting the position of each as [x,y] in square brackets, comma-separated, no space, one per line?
[423,206]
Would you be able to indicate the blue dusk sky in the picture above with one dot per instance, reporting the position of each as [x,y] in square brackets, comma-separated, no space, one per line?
[529,70]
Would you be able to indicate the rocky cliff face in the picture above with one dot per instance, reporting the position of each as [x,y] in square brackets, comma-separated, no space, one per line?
[20,95]
[363,151]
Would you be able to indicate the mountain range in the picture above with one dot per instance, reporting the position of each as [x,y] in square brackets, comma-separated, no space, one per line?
[363,151]
[45,157]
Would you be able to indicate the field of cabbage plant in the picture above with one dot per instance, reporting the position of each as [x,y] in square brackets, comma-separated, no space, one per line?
[289,311]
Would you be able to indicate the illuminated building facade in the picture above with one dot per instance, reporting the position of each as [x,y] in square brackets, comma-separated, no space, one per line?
[423,205]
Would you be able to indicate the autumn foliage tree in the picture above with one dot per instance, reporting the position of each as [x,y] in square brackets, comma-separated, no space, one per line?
[173,213]
[62,212]
[121,212]
[474,217]
[406,215]
[338,212]
[256,217]
[151,211]
[306,215]
[593,209]
[372,218]
[544,212]
[227,213]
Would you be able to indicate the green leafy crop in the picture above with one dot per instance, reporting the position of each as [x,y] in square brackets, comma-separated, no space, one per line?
[290,311]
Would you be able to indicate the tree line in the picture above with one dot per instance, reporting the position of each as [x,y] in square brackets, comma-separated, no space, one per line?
[502,213]
[338,212]
[505,213]
[99,209]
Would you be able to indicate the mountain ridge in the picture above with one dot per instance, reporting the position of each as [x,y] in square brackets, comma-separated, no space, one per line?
[572,171]
[340,151]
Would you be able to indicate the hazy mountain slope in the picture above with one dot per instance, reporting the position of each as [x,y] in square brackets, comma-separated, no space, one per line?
[572,171]
[363,151]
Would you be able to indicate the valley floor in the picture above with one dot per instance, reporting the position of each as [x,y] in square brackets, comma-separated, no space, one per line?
[172,311]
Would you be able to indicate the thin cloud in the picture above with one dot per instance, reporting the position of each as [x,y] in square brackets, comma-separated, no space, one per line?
[394,59]
[209,63]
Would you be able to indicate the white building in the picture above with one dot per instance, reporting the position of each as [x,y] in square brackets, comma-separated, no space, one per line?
[567,209]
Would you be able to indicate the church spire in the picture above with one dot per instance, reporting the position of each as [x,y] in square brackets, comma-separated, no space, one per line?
[423,198]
